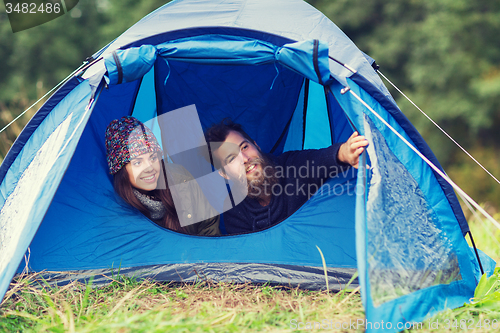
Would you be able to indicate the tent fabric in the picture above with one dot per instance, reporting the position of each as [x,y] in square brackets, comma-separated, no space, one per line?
[383,234]
[42,163]
[273,66]
[28,131]
[302,22]
[417,141]
[308,58]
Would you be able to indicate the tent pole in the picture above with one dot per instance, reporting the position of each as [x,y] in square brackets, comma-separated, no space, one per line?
[304,112]
[343,65]
[475,250]
[332,132]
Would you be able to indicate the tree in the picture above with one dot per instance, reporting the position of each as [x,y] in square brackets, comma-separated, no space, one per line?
[444,55]
[33,61]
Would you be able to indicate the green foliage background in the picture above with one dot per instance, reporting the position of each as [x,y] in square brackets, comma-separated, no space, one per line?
[444,54]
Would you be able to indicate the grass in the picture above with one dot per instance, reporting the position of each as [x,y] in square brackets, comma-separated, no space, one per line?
[128,305]
[486,236]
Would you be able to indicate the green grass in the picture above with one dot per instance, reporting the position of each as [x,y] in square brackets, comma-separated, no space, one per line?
[128,305]
[131,306]
[486,236]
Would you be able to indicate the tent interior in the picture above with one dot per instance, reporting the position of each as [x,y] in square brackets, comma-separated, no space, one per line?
[279,108]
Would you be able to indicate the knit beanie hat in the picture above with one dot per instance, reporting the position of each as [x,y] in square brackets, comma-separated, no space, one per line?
[128,138]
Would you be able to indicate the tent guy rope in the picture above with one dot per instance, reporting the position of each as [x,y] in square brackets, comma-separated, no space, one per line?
[442,130]
[41,98]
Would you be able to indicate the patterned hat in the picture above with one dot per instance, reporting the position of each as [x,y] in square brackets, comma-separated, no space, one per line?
[127,138]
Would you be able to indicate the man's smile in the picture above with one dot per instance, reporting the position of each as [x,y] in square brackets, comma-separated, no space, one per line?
[251,168]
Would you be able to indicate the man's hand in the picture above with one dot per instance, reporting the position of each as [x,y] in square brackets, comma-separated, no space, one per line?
[351,149]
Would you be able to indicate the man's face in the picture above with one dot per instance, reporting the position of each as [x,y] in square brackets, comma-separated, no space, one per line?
[240,158]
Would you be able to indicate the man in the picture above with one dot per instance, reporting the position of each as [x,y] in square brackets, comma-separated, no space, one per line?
[276,186]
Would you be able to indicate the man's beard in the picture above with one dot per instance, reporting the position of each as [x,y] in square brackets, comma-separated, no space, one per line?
[260,186]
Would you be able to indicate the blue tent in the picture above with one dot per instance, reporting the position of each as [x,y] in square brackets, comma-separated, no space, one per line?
[296,82]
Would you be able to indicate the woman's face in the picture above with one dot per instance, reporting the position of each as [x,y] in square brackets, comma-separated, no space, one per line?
[144,171]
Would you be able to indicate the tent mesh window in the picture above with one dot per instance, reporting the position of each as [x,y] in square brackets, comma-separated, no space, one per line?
[407,249]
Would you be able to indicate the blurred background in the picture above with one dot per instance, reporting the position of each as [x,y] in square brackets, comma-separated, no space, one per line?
[443,54]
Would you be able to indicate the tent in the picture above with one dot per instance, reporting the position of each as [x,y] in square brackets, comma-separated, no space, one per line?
[295,81]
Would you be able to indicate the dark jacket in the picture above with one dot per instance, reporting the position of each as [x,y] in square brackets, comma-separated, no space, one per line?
[295,188]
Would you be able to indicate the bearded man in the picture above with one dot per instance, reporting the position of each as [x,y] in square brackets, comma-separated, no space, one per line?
[275,186]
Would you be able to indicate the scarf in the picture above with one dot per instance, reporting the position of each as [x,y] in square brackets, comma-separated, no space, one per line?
[155,207]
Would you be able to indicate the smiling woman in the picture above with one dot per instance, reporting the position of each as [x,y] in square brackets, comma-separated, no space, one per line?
[143,171]
[140,178]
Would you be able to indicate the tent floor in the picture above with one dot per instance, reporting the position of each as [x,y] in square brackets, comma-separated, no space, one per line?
[303,277]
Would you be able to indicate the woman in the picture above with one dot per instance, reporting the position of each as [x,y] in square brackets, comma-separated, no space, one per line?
[135,160]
